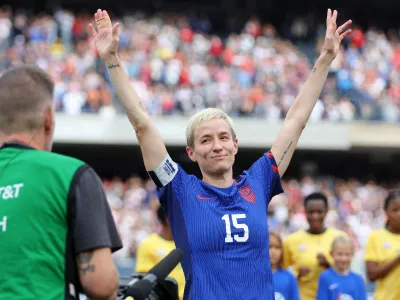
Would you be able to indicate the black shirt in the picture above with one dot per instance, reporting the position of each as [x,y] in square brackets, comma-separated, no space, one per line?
[93,225]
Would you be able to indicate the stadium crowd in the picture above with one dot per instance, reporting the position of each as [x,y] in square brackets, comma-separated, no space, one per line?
[177,66]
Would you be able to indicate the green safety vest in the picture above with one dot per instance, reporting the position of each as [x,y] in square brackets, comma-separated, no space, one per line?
[36,257]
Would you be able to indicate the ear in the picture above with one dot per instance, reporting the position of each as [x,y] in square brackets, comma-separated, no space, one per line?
[191,153]
[235,146]
[49,121]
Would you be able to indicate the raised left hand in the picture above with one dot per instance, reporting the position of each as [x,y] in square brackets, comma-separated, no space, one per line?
[334,35]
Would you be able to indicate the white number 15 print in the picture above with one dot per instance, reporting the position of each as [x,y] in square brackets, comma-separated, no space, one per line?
[238,238]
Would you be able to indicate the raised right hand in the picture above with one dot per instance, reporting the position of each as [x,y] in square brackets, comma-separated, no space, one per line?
[106,37]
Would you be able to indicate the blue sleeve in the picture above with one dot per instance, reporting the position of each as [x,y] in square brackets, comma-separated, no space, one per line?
[266,171]
[294,288]
[172,191]
[362,294]
[323,291]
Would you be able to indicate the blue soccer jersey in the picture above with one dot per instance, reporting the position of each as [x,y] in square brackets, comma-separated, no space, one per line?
[223,231]
[285,284]
[335,286]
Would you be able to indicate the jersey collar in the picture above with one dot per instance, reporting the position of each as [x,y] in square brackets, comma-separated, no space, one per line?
[18,145]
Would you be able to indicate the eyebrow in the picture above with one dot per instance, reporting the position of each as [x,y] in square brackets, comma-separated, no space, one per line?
[204,136]
[224,132]
[209,135]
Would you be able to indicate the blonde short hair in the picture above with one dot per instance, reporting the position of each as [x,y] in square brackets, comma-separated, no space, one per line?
[342,240]
[203,116]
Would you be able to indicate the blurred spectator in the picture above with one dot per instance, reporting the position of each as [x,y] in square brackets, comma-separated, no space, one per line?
[178,66]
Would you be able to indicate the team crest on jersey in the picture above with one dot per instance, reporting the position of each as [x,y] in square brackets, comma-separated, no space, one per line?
[247,193]
[302,248]
[160,252]
[279,296]
[386,245]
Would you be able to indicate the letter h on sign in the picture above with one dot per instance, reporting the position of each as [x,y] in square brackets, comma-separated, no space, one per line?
[4,224]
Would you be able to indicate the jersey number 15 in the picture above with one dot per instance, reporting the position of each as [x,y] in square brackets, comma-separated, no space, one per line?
[238,238]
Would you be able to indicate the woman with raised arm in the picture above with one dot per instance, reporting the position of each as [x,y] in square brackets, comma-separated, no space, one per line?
[308,251]
[219,223]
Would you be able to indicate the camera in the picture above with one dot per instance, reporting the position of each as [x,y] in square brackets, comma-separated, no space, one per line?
[166,289]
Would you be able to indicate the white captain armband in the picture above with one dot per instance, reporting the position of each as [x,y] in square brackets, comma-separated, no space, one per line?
[164,173]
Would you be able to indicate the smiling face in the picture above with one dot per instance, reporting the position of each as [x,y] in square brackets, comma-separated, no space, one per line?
[342,252]
[316,211]
[342,255]
[214,147]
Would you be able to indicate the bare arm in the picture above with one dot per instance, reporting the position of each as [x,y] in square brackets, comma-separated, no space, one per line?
[106,39]
[298,115]
[151,144]
[377,271]
[98,275]
[300,111]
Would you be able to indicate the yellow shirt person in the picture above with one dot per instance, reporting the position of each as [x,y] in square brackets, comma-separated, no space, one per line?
[308,252]
[382,247]
[301,250]
[382,252]
[154,248]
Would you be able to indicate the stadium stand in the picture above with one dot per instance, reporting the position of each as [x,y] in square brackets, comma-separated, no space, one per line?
[179,66]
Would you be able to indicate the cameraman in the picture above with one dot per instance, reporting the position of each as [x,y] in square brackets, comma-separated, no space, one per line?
[56,228]
[155,247]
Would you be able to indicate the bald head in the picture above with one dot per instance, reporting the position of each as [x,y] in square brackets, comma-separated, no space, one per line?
[25,94]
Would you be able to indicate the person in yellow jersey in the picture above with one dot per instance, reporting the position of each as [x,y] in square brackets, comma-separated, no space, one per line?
[155,247]
[308,251]
[382,252]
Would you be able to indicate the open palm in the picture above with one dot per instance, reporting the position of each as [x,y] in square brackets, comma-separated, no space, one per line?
[334,35]
[106,37]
